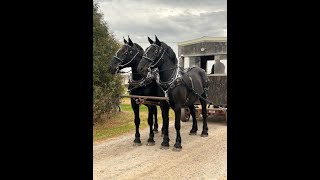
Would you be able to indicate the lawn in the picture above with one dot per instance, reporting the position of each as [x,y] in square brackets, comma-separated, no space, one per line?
[123,122]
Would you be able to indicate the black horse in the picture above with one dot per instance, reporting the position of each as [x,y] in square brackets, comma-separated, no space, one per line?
[183,87]
[129,55]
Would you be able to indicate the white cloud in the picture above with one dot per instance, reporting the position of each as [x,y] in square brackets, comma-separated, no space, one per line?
[171,20]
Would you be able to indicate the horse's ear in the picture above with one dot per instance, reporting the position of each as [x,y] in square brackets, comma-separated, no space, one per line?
[125,41]
[157,41]
[150,40]
[130,42]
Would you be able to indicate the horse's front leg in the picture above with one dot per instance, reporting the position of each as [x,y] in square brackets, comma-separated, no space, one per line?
[165,128]
[151,141]
[136,107]
[177,125]
[155,113]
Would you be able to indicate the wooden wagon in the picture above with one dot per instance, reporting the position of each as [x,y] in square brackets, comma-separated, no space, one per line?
[202,52]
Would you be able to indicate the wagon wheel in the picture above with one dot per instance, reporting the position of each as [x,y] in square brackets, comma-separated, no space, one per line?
[185,114]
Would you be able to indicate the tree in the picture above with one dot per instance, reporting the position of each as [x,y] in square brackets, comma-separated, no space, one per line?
[107,88]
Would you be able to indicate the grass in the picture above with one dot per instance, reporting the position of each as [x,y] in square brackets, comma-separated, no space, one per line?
[127,107]
[123,122]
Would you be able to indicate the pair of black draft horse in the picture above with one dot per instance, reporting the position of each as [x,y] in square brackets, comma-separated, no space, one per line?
[183,87]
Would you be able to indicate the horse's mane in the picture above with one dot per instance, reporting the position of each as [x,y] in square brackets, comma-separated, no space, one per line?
[170,52]
[139,48]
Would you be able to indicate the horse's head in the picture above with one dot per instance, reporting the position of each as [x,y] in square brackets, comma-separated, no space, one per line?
[151,58]
[124,57]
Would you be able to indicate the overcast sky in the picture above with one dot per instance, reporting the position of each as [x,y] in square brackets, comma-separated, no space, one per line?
[171,20]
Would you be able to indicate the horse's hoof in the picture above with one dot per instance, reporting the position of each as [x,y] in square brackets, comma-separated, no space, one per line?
[164,147]
[151,143]
[176,149]
[193,133]
[204,134]
[137,144]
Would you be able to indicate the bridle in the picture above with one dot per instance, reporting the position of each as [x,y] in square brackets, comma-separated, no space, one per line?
[135,83]
[122,60]
[165,86]
[153,63]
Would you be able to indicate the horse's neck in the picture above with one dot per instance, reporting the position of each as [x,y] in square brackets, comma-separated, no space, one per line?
[166,75]
[135,75]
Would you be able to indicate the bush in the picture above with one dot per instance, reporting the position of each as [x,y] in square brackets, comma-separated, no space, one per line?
[107,88]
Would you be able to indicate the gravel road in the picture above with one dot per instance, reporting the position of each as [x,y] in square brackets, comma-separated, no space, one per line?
[200,158]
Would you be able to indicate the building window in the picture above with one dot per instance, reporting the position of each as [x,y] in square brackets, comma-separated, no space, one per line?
[186,62]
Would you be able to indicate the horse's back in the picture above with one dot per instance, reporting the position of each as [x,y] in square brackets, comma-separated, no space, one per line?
[198,77]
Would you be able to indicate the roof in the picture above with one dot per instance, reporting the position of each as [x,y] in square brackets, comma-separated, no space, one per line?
[203,39]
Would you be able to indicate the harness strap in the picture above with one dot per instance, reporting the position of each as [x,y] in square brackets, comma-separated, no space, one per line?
[191,81]
[193,91]
[140,83]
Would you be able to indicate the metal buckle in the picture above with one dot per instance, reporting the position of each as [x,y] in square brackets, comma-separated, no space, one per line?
[172,85]
[142,83]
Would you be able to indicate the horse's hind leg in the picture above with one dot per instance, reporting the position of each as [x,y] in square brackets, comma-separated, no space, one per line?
[194,129]
[204,132]
[135,108]
[155,113]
